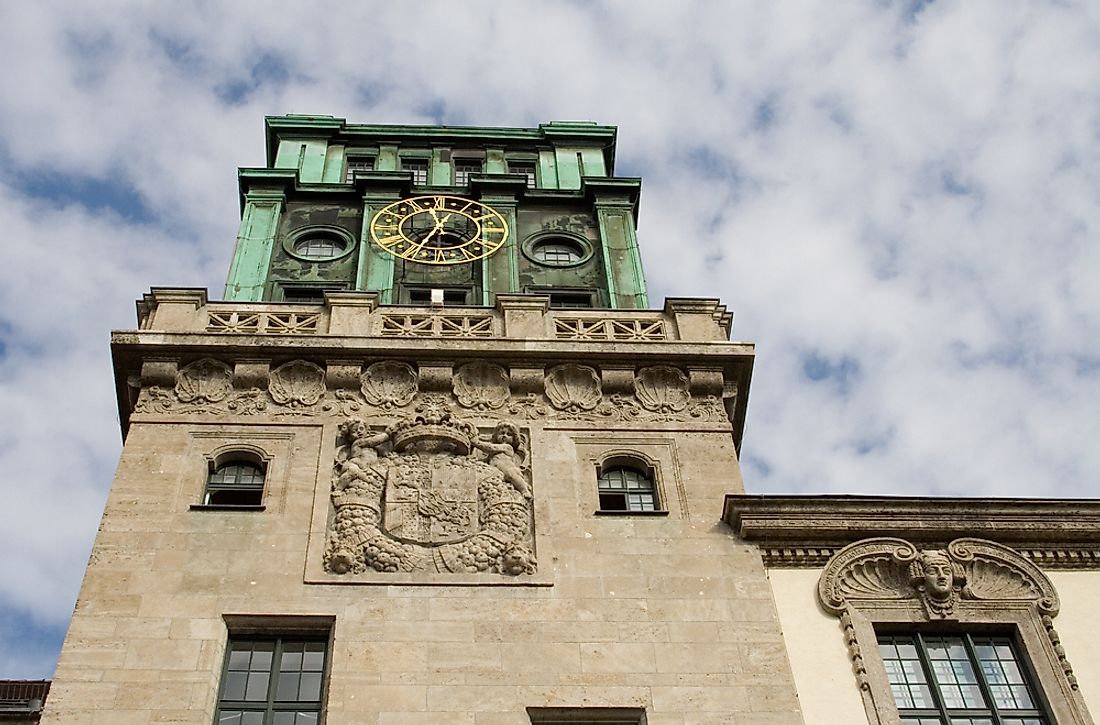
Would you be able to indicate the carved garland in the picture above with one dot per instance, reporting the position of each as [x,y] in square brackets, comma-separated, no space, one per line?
[571,391]
[885,571]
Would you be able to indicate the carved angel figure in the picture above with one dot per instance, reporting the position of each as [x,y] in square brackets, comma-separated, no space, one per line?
[362,452]
[507,453]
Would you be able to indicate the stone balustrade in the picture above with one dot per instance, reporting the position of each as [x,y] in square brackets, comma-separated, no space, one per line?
[359,314]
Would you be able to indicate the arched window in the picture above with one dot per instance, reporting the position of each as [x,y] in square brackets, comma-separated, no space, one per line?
[627,487]
[236,478]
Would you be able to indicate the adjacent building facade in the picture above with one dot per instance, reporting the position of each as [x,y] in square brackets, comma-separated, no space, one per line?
[435,458]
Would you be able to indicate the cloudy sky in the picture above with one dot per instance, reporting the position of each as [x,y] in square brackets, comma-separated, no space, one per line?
[899,201]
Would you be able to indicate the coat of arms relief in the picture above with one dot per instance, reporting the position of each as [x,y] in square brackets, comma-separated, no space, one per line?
[431,493]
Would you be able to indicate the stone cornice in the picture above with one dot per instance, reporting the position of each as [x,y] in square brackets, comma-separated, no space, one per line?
[804,531]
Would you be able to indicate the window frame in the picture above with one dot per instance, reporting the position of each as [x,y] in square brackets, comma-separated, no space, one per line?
[530,246]
[228,456]
[352,162]
[865,615]
[452,291]
[425,158]
[941,710]
[533,163]
[317,292]
[587,715]
[338,234]
[638,464]
[462,178]
[279,629]
[557,294]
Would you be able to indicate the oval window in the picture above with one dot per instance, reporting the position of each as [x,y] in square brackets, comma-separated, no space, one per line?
[557,252]
[319,247]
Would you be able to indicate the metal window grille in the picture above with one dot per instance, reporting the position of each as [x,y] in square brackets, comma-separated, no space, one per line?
[626,489]
[419,169]
[961,680]
[357,163]
[272,681]
[235,483]
[463,169]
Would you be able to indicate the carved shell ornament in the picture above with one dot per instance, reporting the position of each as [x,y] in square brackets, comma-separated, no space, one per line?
[297,383]
[662,389]
[389,384]
[204,381]
[573,388]
[888,569]
[482,386]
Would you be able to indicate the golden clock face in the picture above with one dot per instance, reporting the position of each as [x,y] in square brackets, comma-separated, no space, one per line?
[439,229]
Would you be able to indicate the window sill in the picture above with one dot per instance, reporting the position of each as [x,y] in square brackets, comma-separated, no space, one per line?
[606,512]
[226,507]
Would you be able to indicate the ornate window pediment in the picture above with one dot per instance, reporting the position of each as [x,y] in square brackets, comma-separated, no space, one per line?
[885,570]
[891,584]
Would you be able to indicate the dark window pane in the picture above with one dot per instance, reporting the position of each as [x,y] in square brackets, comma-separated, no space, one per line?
[234,685]
[288,687]
[257,687]
[310,690]
[314,658]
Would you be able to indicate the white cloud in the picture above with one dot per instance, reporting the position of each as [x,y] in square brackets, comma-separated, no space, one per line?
[908,198]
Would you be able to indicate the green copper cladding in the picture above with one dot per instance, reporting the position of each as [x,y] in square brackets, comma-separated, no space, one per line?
[328,179]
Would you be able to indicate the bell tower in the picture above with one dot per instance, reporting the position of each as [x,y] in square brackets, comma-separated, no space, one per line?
[434,458]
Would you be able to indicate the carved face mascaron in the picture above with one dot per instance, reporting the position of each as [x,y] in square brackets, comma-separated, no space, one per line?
[439,229]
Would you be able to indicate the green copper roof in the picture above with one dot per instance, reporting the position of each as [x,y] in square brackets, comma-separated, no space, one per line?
[334,128]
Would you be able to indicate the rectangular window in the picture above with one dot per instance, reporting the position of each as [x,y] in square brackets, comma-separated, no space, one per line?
[419,169]
[423,295]
[357,163]
[586,715]
[307,294]
[272,681]
[524,168]
[463,169]
[570,299]
[959,680]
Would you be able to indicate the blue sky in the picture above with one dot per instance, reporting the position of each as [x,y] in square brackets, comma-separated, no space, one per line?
[898,201]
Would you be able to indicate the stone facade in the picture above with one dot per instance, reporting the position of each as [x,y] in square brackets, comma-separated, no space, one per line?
[434,511]
[1025,569]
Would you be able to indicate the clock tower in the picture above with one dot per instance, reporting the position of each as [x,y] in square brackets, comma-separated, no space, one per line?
[466,213]
[433,458]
